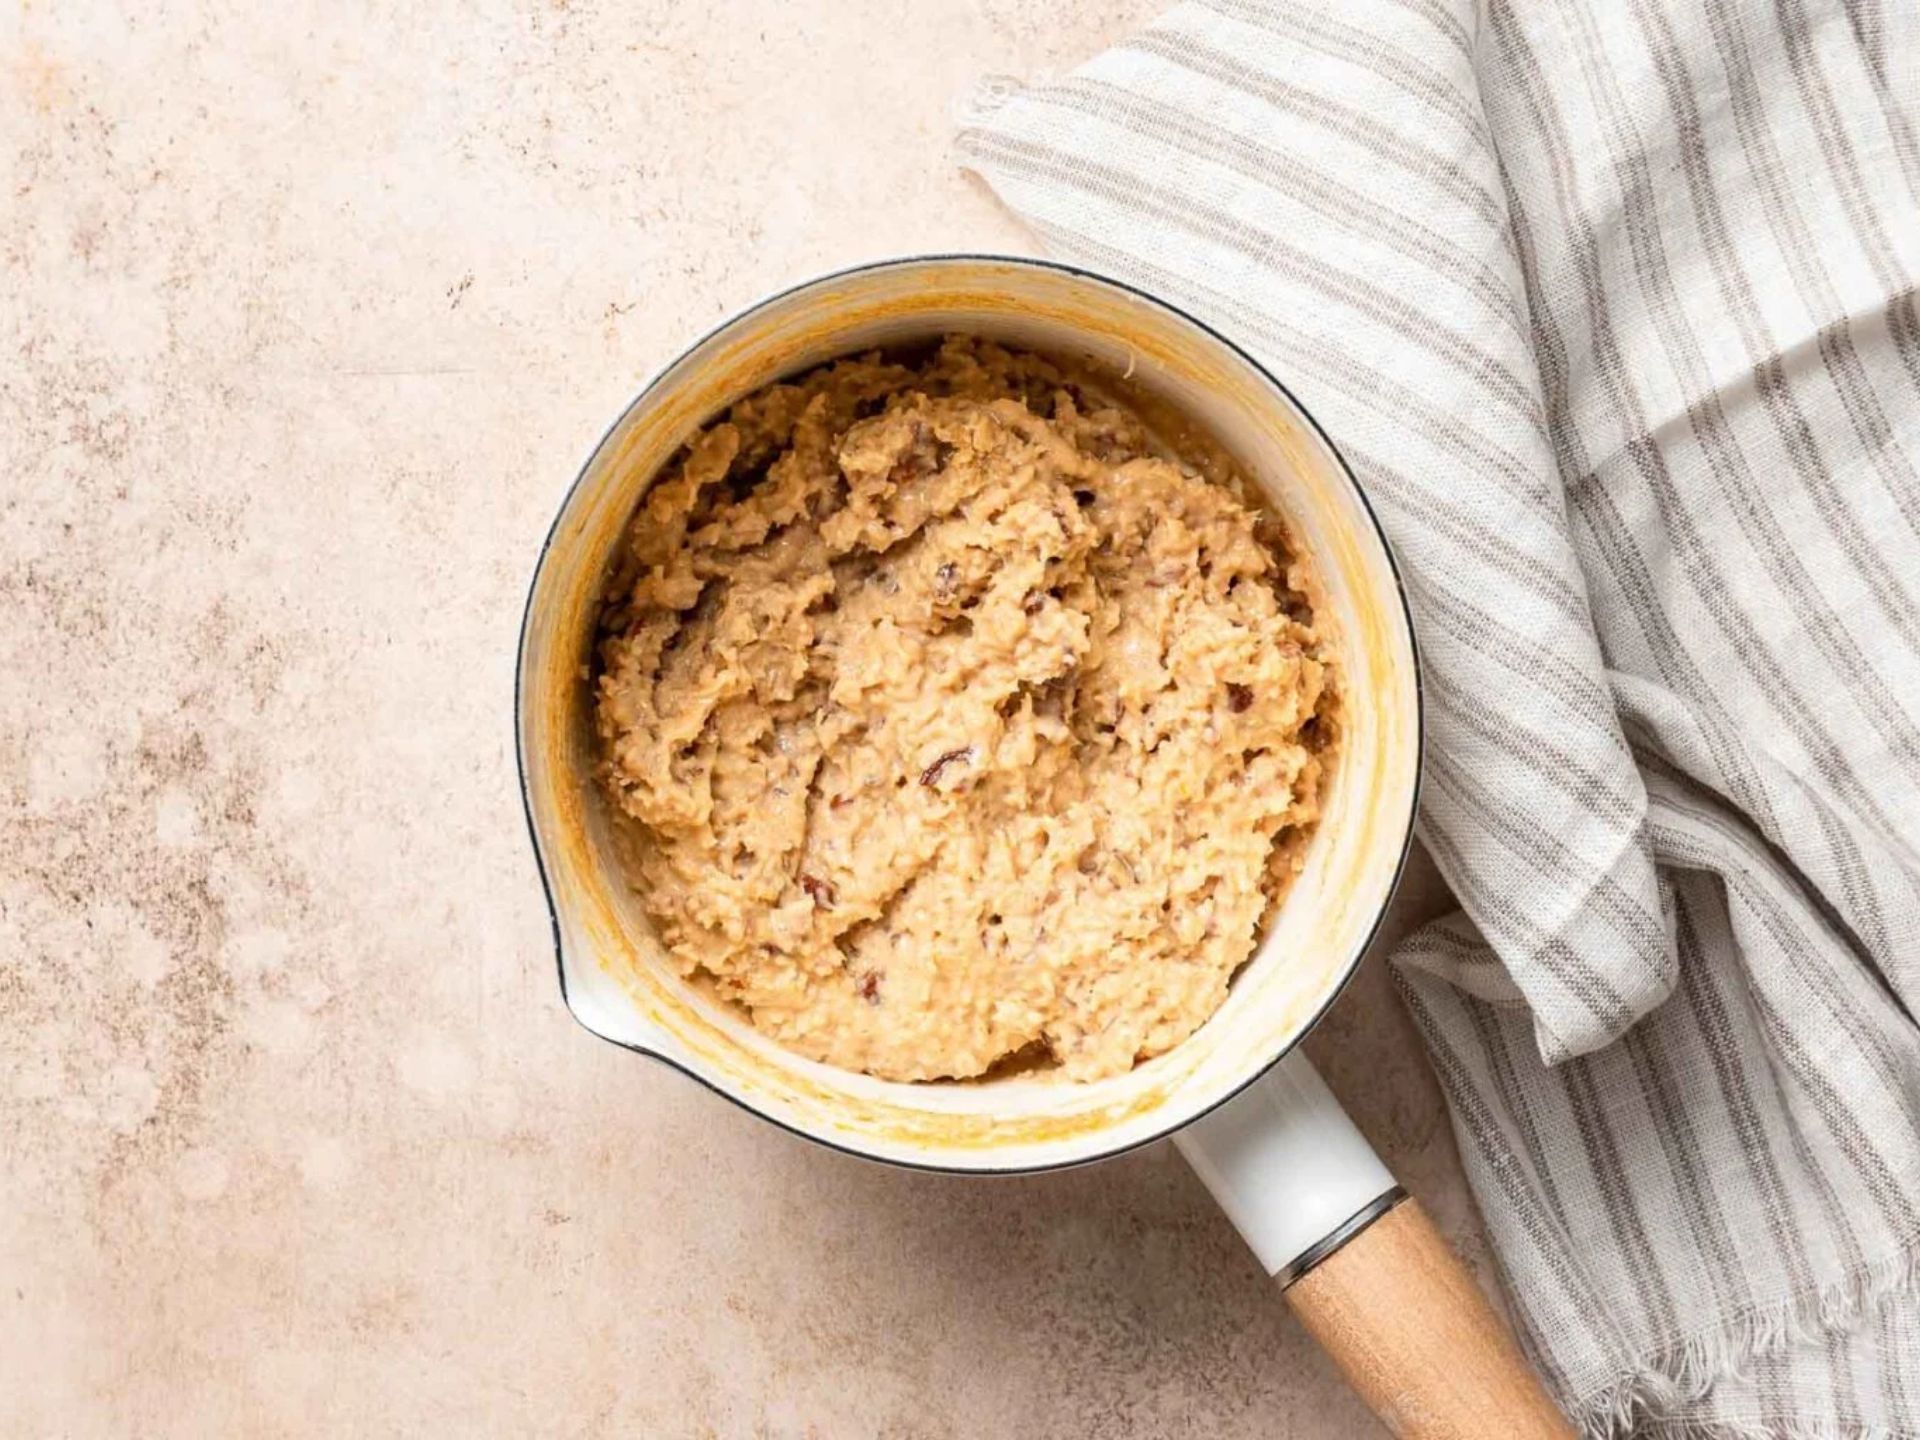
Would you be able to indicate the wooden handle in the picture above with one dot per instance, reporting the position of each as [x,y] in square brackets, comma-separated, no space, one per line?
[1414,1336]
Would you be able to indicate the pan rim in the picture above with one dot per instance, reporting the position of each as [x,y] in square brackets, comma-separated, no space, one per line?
[1407,827]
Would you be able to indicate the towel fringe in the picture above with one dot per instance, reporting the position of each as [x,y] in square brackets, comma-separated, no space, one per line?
[1770,1430]
[974,104]
[1686,1372]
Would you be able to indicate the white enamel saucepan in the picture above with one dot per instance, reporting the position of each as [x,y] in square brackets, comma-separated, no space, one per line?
[1361,1265]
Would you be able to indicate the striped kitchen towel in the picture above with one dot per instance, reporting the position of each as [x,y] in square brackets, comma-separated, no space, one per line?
[1611,305]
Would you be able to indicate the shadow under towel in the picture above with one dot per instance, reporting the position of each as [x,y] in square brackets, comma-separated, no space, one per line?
[1611,306]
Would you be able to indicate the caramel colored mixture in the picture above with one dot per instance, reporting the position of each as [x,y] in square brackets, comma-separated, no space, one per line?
[959,719]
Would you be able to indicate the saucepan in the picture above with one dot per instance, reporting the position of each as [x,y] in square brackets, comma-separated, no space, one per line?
[1362,1266]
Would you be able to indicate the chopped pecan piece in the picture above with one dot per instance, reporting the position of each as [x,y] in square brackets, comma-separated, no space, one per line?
[930,777]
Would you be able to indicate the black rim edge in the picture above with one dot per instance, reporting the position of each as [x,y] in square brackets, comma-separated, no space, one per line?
[1341,1236]
[1393,568]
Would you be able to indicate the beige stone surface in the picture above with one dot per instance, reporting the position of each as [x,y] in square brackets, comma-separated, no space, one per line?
[309,313]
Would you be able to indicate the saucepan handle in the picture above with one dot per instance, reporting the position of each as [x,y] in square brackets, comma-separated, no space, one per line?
[1362,1266]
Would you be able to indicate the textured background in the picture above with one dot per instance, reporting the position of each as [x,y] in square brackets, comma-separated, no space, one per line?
[309,314]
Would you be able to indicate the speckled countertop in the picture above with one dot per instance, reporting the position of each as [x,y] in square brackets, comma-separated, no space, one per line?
[310,311]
